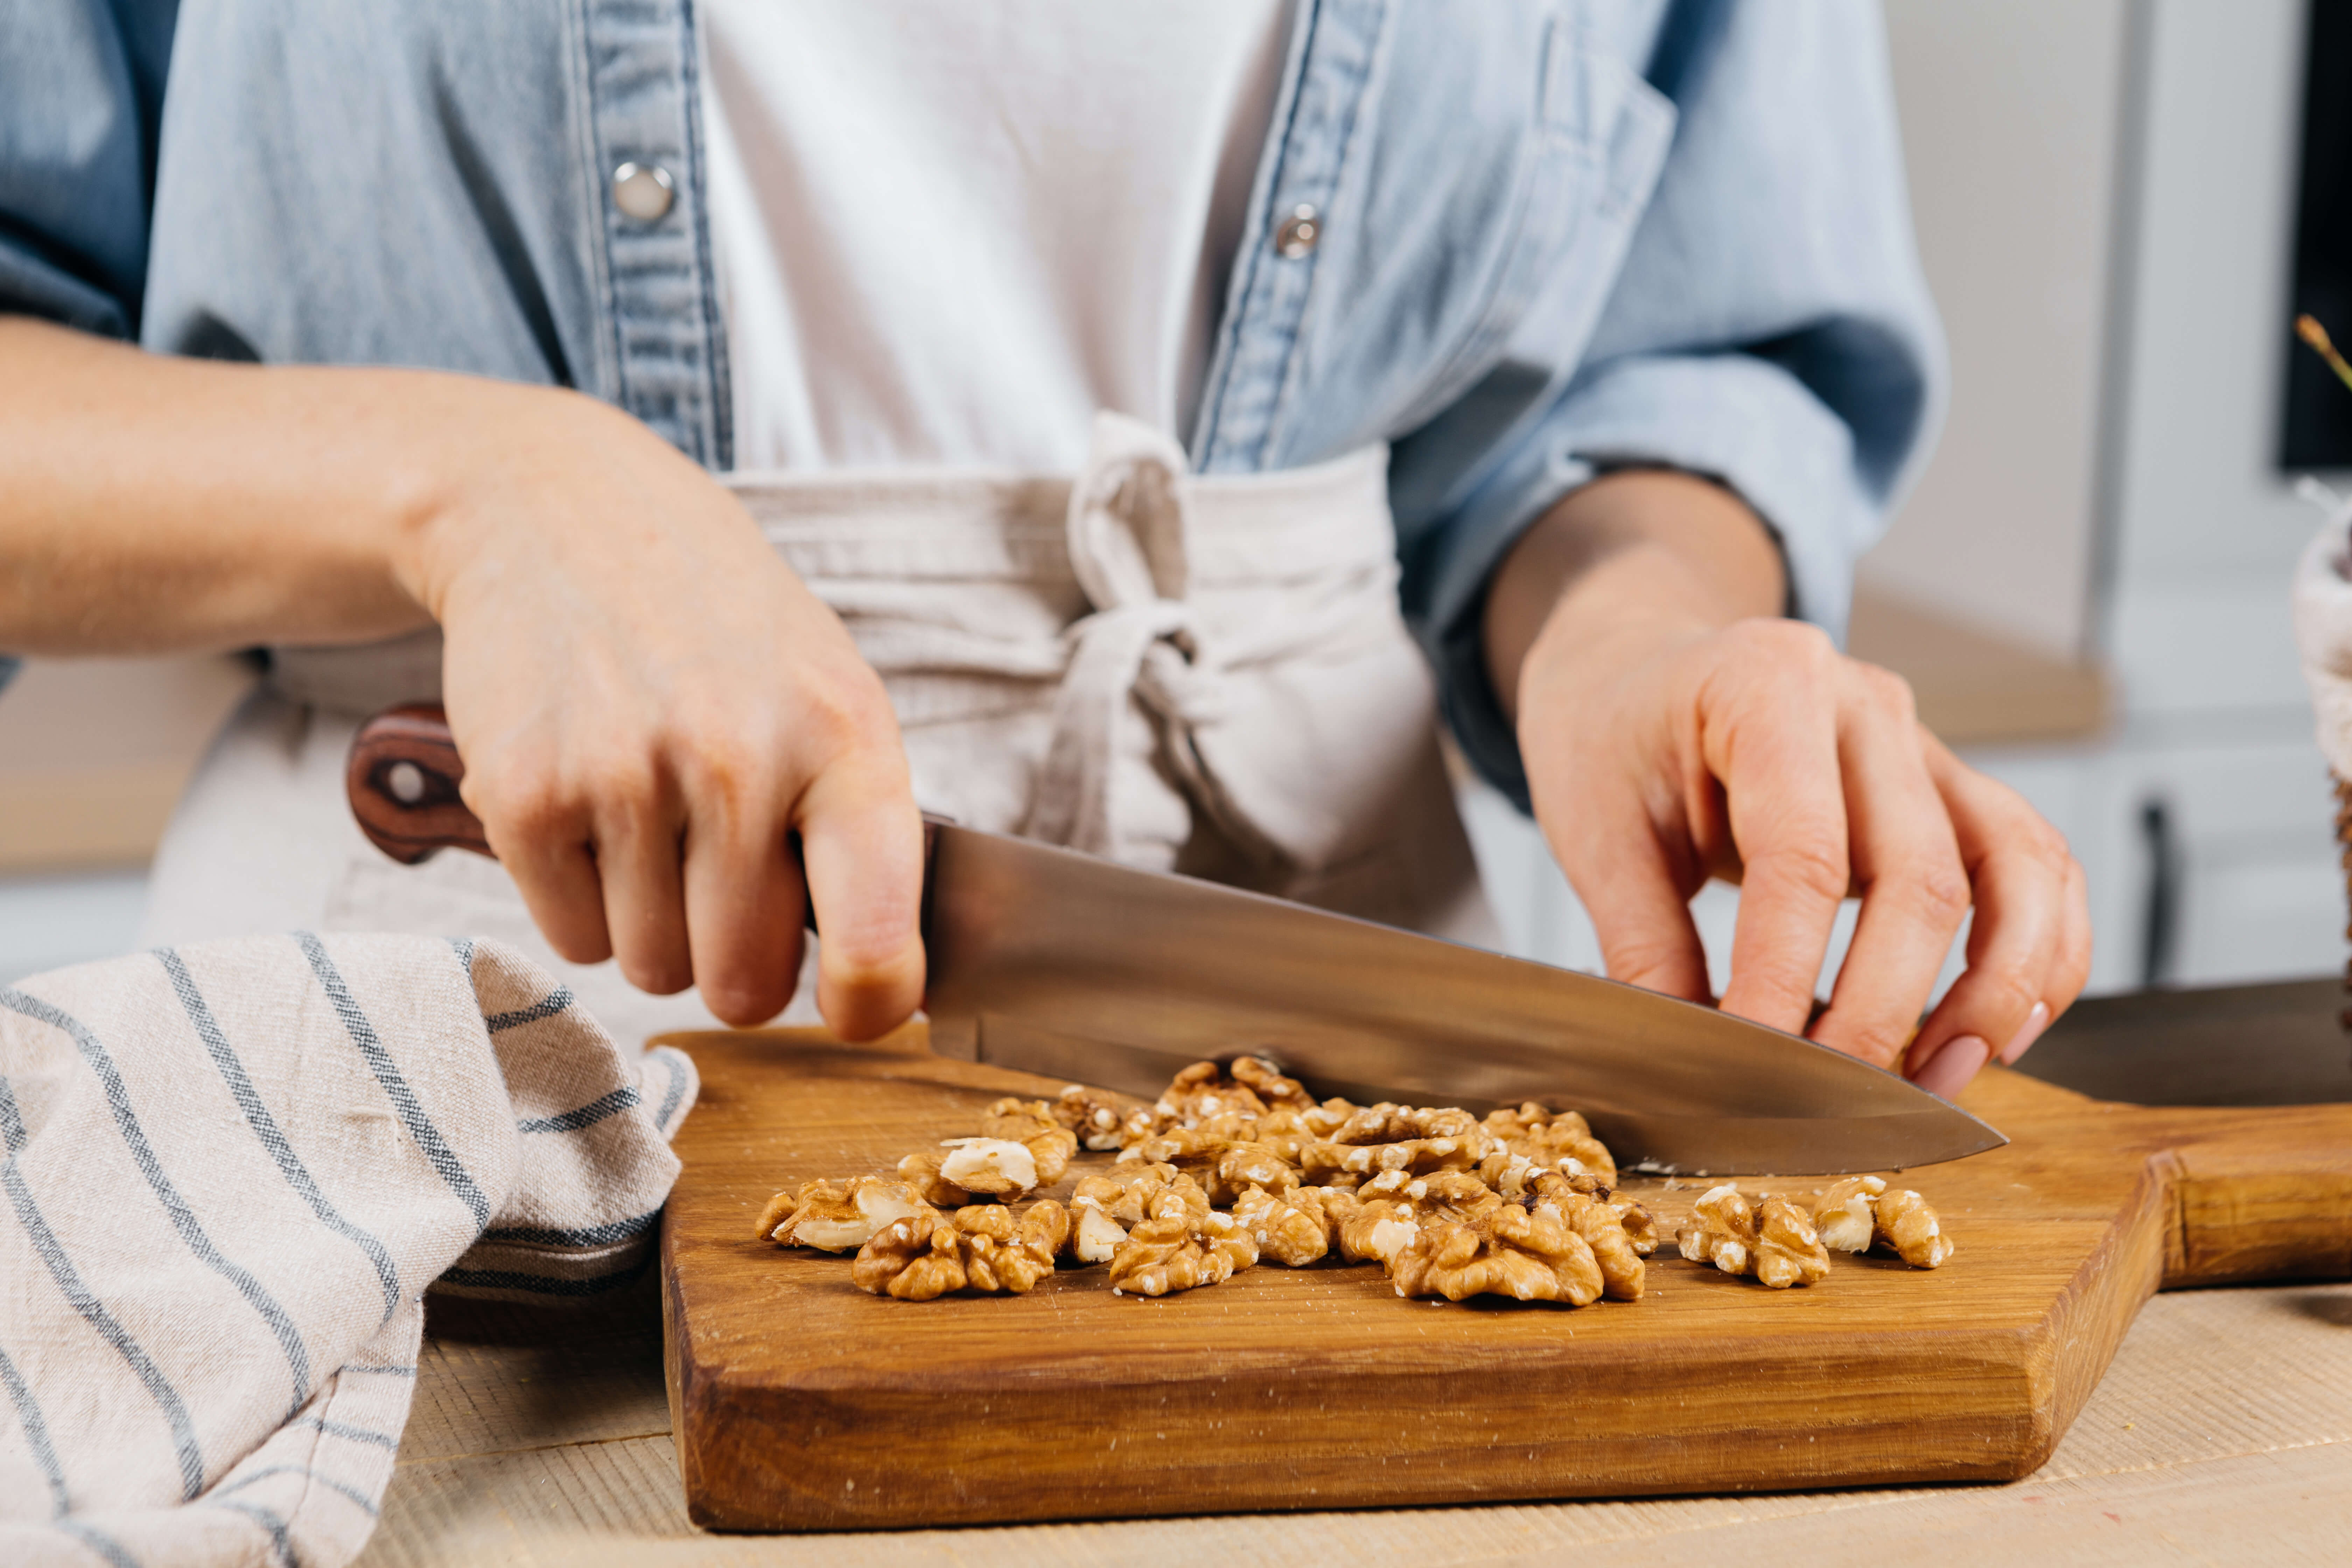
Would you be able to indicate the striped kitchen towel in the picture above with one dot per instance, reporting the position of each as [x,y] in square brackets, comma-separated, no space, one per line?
[228,1173]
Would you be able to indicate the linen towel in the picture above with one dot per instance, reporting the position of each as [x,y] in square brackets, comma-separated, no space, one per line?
[227,1174]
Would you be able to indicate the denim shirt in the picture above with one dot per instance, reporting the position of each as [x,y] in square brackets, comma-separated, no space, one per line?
[1552,236]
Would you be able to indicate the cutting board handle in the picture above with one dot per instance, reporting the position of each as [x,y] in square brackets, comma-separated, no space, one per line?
[402,776]
[2257,1193]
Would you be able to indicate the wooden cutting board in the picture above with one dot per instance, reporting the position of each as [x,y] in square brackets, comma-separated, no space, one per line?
[802,1403]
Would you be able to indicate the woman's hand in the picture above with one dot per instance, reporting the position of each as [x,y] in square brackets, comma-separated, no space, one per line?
[1674,732]
[649,703]
[651,706]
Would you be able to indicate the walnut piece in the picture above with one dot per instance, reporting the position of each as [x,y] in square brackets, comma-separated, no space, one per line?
[1501,1250]
[1032,1124]
[1908,1227]
[1293,1227]
[1847,1213]
[1093,1116]
[1640,1228]
[1773,1242]
[838,1216]
[1202,1090]
[1589,1214]
[1134,1191]
[985,1249]
[1549,1137]
[1107,1202]
[1263,1079]
[916,1258]
[967,1168]
[1180,1252]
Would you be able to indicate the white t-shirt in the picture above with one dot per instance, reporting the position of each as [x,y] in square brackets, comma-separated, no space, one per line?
[949,231]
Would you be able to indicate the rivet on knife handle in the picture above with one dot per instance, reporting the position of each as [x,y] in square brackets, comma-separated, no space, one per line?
[402,778]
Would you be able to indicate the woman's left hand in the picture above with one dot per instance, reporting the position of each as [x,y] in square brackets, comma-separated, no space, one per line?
[1672,734]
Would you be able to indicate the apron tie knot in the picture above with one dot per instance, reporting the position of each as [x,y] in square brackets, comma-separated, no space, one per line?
[1129,551]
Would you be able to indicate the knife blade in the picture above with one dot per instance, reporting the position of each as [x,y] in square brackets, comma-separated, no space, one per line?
[1055,963]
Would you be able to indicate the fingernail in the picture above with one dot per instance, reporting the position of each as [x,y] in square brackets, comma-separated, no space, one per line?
[2027,1033]
[1957,1061]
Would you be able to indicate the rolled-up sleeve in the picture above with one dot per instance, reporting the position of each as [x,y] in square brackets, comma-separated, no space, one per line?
[1769,328]
[81,93]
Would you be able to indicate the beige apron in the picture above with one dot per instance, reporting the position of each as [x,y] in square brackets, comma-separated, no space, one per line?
[1207,674]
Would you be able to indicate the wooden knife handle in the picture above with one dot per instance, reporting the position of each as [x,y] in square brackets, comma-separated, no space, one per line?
[402,776]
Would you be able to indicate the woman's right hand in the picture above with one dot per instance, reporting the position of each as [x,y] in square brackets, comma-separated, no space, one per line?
[651,706]
[649,703]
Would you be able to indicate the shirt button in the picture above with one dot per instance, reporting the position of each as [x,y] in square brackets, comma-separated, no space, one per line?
[643,191]
[1300,231]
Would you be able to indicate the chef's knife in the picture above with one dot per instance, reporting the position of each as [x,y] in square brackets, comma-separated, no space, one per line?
[1055,962]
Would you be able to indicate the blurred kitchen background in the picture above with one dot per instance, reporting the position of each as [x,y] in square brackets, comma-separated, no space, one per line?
[2087,590]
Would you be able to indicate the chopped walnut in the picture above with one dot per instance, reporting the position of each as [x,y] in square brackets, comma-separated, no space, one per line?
[1096,1236]
[1502,1250]
[1640,1227]
[1589,1214]
[966,1168]
[1380,1219]
[1223,1165]
[1908,1227]
[1286,1132]
[1293,1227]
[1032,1124]
[1263,1079]
[1003,1254]
[986,1249]
[1091,1115]
[838,1216]
[1722,1230]
[1416,1156]
[1847,1214]
[772,1219]
[1328,1117]
[1773,1242]
[1181,1252]
[1133,1191]
[916,1258]
[1202,1090]
[1548,1137]
[1389,1123]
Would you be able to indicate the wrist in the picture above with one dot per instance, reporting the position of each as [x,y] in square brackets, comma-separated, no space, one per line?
[469,460]
[1635,557]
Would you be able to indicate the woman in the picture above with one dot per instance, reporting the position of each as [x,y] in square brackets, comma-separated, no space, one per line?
[722,312]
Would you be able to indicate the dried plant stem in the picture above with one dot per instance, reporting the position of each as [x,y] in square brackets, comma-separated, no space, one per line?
[2308,328]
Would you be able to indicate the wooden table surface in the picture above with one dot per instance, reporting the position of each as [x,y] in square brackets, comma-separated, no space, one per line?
[2222,1433]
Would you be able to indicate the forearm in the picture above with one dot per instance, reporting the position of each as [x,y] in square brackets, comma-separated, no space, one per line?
[1640,548]
[154,504]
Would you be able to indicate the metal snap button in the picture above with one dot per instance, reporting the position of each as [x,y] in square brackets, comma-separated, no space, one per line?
[1300,231]
[643,191]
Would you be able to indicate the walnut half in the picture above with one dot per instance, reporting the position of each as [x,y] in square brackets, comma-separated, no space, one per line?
[985,1249]
[1860,1212]
[1502,1250]
[836,1217]
[1773,1242]
[1180,1252]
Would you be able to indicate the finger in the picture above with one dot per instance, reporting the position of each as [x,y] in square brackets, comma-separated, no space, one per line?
[545,842]
[744,896]
[638,831]
[2029,949]
[862,844]
[1778,759]
[1906,866]
[1637,895]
